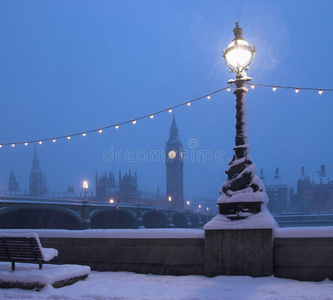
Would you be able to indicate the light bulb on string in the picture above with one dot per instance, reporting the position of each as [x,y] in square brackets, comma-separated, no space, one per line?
[188,103]
[54,140]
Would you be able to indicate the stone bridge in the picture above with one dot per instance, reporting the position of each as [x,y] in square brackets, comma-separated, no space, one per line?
[17,212]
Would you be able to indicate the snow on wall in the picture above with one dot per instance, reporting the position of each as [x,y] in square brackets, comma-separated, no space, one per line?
[261,220]
[114,233]
[304,232]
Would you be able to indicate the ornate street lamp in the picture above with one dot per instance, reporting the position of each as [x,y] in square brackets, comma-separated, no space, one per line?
[239,53]
[243,192]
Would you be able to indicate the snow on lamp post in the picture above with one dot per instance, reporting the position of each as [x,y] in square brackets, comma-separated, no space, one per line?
[243,192]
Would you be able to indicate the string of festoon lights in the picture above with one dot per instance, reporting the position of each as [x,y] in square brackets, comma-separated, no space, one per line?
[151,115]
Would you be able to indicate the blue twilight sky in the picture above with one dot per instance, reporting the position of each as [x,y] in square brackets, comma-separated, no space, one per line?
[70,66]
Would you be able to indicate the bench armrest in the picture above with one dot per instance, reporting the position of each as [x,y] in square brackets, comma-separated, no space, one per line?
[49,253]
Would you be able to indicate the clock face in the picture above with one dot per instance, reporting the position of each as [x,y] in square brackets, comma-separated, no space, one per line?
[172,154]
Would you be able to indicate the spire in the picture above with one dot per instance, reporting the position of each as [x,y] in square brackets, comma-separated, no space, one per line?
[174,136]
[35,161]
[13,184]
[277,175]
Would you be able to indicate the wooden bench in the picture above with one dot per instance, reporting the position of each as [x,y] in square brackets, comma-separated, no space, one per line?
[24,248]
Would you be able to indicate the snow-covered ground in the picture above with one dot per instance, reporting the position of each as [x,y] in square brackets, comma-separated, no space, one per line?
[124,285]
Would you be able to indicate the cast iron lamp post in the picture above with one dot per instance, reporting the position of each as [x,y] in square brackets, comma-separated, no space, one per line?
[243,192]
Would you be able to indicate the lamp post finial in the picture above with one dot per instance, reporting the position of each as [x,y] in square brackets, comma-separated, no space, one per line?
[238,31]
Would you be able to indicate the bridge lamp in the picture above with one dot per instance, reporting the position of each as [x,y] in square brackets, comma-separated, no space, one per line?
[188,205]
[85,185]
[170,199]
[111,201]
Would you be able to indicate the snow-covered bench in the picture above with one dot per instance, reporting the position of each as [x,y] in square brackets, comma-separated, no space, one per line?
[25,248]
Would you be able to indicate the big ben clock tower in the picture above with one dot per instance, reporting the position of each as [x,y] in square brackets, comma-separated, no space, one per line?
[174,168]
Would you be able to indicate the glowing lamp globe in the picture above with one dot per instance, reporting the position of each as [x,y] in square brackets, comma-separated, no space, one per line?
[239,54]
[85,185]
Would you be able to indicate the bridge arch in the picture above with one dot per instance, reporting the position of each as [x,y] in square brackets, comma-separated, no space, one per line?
[195,221]
[39,217]
[113,219]
[179,220]
[155,219]
[204,219]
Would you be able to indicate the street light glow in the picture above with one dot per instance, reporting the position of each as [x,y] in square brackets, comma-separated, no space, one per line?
[240,55]
[85,184]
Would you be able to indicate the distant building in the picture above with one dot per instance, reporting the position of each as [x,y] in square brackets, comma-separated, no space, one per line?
[277,192]
[126,190]
[314,192]
[37,182]
[174,167]
[128,187]
[106,186]
[13,185]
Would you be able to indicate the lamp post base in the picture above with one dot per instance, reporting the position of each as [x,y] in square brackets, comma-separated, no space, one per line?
[239,210]
[240,252]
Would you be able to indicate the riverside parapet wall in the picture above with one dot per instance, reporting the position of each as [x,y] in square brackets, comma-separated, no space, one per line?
[298,253]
